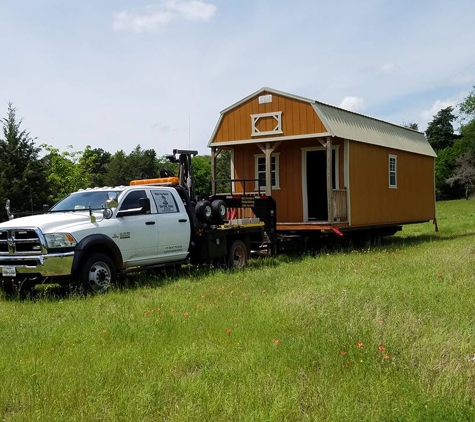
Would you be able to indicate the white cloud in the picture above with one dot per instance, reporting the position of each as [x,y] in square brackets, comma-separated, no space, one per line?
[438,105]
[353,103]
[388,68]
[156,16]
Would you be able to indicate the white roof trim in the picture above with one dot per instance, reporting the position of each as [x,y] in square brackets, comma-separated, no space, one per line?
[274,139]
[270,91]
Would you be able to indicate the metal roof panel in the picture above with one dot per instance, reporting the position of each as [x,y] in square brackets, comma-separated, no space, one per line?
[356,127]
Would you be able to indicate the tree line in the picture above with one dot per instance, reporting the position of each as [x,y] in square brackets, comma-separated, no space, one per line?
[32,175]
[455,162]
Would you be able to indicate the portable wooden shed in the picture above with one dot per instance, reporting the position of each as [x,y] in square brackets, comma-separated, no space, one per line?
[325,166]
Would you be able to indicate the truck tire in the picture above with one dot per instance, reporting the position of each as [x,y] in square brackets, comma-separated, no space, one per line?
[97,273]
[203,211]
[219,210]
[237,255]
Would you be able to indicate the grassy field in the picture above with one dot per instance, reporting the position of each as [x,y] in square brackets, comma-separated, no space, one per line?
[379,334]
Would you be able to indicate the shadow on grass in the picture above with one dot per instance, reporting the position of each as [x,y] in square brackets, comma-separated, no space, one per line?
[155,278]
[158,278]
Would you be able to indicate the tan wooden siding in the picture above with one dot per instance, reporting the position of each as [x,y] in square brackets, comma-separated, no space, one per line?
[289,197]
[298,118]
[373,202]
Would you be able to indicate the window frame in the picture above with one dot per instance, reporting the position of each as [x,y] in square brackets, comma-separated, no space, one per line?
[276,171]
[392,158]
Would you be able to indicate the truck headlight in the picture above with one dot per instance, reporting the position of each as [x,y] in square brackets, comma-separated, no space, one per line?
[60,240]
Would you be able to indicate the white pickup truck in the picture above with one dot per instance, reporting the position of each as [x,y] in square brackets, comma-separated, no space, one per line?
[93,235]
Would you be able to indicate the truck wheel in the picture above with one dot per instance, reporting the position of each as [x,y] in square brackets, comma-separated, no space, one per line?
[97,273]
[219,209]
[237,256]
[203,211]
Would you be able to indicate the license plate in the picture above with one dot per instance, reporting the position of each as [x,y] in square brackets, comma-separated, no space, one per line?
[8,271]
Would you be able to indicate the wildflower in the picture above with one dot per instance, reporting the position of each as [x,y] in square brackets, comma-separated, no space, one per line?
[380,322]
[342,352]
[381,348]
[359,344]
[228,331]
[186,314]
[276,341]
[387,357]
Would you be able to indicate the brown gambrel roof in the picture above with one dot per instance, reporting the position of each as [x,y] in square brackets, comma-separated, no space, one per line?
[353,126]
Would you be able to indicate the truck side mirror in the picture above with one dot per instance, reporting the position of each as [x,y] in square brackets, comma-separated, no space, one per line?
[144,204]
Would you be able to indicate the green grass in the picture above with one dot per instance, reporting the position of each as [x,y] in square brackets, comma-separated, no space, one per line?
[379,334]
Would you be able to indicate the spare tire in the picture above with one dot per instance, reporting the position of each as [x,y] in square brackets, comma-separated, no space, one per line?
[219,209]
[203,211]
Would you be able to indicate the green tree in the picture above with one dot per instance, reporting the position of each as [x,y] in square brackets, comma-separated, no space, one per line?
[21,172]
[63,172]
[440,131]
[202,173]
[141,164]
[411,125]
[93,163]
[467,107]
[116,170]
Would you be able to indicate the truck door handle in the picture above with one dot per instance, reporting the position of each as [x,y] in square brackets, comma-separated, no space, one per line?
[182,220]
[150,223]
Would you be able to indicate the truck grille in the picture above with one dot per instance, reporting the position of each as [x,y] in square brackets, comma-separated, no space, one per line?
[20,241]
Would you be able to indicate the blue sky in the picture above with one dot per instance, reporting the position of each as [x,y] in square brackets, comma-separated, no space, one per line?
[114,74]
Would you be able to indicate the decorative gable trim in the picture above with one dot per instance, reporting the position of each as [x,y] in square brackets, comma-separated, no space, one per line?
[277,116]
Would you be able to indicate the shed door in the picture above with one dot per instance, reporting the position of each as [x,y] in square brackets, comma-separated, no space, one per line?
[317,201]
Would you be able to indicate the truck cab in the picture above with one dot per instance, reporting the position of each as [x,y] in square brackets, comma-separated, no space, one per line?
[94,233]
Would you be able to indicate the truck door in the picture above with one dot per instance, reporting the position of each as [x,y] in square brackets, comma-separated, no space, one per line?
[173,225]
[137,233]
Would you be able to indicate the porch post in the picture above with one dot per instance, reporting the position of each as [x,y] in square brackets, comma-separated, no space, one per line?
[268,152]
[328,146]
[214,154]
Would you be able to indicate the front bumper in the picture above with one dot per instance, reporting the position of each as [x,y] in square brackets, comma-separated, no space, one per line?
[49,265]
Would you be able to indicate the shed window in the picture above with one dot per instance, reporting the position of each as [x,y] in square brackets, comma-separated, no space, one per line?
[392,171]
[261,171]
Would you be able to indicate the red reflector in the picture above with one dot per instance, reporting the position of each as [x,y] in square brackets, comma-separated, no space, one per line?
[338,232]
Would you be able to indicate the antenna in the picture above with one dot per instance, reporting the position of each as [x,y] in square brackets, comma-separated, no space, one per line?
[189,131]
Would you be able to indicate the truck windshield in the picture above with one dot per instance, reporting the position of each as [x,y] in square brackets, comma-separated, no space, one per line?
[85,200]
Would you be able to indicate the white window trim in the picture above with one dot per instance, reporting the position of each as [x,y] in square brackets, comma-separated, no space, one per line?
[277,116]
[256,174]
[392,156]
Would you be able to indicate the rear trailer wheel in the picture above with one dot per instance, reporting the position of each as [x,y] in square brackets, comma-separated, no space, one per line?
[238,255]
[97,273]
[219,209]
